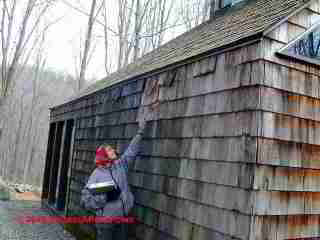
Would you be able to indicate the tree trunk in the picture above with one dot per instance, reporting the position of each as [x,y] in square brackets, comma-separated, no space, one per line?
[84,62]
[212,8]
[137,30]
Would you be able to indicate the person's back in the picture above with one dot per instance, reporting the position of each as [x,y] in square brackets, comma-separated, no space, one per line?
[111,168]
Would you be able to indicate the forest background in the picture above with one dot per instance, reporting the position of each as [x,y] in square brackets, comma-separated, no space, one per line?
[52,49]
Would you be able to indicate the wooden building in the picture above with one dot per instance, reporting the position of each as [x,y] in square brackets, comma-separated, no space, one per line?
[231,149]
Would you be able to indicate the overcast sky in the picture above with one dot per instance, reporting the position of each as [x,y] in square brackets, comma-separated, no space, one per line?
[64,38]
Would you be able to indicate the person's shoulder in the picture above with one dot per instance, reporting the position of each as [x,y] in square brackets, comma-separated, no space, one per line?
[118,163]
[96,171]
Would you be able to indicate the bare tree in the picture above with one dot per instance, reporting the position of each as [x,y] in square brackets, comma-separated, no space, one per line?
[106,38]
[23,112]
[157,23]
[84,61]
[150,20]
[33,119]
[17,44]
[141,26]
[194,12]
[140,17]
[137,30]
[125,13]
[86,53]
[12,50]
[213,4]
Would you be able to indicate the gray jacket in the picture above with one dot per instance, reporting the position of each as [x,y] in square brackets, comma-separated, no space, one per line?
[119,171]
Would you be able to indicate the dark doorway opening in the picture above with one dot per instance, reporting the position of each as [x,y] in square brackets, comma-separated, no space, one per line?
[64,166]
[47,168]
[55,163]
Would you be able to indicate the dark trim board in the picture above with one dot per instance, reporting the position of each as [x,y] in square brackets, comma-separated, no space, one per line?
[299,58]
[65,164]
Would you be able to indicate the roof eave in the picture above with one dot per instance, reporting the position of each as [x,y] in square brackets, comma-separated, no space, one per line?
[274,26]
[239,43]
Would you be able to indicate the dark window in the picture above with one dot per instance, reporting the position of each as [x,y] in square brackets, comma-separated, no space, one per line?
[306,47]
[227,3]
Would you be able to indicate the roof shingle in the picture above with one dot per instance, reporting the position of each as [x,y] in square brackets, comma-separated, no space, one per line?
[241,21]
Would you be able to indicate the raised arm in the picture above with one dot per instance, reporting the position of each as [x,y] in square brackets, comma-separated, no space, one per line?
[131,152]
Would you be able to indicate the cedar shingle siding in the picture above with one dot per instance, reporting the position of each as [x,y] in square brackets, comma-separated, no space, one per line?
[226,154]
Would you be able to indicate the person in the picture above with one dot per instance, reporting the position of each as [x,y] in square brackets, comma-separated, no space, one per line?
[112,167]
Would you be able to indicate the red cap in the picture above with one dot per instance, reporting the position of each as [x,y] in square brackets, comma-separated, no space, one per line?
[102,156]
[101,153]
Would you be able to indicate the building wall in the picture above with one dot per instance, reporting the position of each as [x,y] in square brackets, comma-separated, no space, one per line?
[193,177]
[288,170]
[231,148]
[104,117]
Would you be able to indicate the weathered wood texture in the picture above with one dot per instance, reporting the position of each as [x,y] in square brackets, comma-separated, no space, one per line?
[287,32]
[231,148]
[270,178]
[193,177]
[286,227]
[286,179]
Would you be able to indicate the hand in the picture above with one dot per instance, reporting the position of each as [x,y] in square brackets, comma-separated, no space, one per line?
[142,122]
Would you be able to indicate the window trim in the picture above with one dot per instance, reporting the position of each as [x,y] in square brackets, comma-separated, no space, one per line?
[283,51]
[221,6]
[232,3]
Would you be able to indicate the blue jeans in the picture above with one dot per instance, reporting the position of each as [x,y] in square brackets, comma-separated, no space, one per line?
[112,231]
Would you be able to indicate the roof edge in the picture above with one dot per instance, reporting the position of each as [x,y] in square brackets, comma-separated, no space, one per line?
[274,26]
[237,44]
